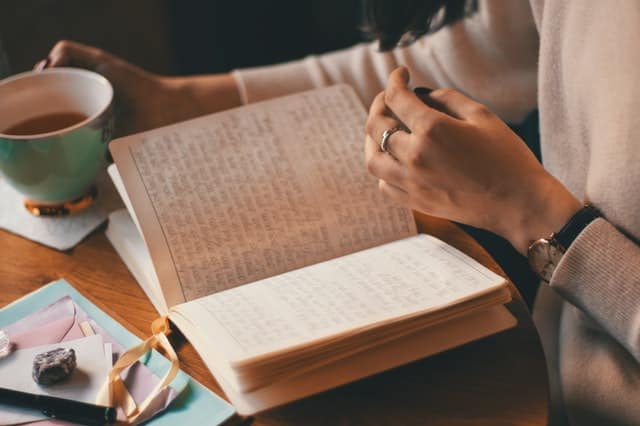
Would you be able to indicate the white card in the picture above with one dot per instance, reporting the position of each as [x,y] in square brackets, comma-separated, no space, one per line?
[83,385]
[61,233]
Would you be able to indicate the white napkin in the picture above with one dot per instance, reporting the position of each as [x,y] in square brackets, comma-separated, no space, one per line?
[61,233]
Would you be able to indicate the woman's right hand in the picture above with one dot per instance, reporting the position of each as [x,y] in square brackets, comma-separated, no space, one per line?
[144,100]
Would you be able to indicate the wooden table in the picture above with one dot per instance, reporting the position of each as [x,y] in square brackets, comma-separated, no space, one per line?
[500,380]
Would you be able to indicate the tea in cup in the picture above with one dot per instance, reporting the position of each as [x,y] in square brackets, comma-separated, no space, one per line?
[54,129]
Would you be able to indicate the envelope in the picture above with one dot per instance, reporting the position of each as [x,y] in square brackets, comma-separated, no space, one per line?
[60,322]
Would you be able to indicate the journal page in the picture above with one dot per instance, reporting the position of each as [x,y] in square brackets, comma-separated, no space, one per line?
[245,194]
[355,292]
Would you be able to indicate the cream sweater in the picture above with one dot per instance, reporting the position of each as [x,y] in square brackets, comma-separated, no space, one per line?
[576,61]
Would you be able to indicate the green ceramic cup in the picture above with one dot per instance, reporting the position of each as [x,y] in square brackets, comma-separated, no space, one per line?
[60,165]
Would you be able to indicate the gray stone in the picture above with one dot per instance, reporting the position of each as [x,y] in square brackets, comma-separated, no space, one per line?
[53,366]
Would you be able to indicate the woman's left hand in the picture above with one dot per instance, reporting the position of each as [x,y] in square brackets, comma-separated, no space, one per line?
[462,163]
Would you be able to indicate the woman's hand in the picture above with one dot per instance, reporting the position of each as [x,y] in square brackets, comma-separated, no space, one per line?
[145,100]
[462,163]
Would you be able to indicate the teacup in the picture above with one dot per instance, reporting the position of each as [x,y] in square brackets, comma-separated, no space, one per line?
[54,129]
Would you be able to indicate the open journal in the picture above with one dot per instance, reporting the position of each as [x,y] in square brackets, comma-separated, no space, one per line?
[261,235]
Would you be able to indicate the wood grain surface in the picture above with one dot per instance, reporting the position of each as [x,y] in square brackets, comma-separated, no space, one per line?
[500,380]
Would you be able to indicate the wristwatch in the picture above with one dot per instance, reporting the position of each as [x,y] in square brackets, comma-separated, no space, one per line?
[545,254]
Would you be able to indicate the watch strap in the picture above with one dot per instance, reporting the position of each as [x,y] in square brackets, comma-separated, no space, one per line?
[578,222]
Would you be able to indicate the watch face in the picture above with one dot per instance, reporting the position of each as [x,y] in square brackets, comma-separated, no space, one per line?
[544,256]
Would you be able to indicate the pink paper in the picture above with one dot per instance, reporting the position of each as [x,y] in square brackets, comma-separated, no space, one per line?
[59,322]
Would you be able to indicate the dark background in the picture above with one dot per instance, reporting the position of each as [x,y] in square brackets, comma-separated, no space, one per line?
[191,37]
[180,36]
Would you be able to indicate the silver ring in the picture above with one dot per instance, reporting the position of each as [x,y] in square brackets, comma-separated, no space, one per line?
[384,142]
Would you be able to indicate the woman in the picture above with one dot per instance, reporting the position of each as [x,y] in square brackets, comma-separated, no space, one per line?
[450,154]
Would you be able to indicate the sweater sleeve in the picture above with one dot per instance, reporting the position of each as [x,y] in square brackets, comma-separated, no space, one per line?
[491,56]
[600,274]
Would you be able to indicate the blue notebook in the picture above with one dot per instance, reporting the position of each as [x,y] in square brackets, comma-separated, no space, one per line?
[195,405]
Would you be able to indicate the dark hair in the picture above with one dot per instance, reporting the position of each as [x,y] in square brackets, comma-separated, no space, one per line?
[400,22]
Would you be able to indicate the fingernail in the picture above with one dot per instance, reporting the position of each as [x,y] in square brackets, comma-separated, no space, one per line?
[405,74]
[43,64]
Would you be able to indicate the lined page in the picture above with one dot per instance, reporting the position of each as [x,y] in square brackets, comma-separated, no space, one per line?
[260,190]
[401,278]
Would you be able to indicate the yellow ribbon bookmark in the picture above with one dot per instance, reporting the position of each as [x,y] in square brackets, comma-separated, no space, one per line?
[114,392]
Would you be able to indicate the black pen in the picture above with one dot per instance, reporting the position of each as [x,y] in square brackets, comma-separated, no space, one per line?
[423,94]
[59,408]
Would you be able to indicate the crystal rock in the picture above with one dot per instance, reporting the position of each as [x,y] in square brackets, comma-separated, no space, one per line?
[5,344]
